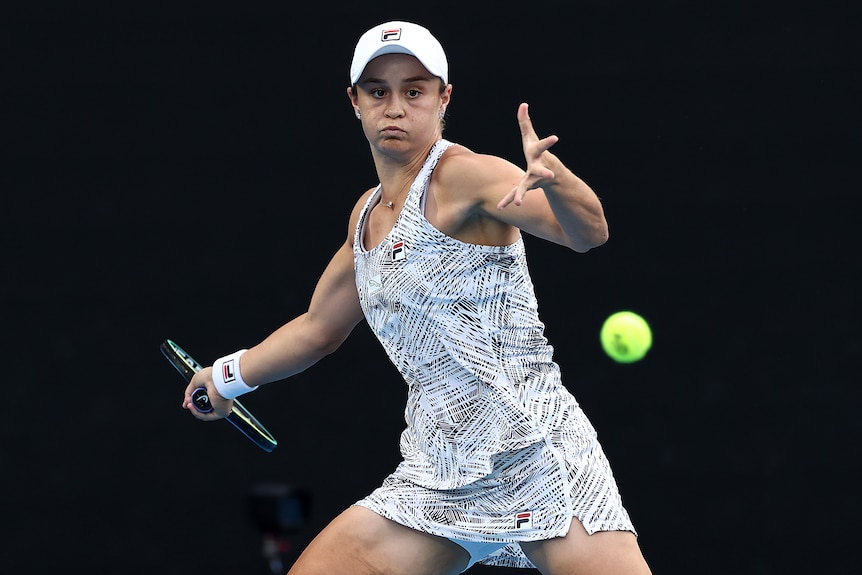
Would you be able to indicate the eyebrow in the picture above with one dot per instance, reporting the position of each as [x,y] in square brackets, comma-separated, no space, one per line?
[412,79]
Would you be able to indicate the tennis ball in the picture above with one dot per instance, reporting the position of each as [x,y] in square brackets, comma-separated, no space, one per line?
[626,337]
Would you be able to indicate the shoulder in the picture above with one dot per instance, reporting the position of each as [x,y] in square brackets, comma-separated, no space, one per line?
[459,157]
[464,191]
[459,162]
[479,177]
[360,203]
[357,211]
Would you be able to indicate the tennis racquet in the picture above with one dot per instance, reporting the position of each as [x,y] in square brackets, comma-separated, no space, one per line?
[240,417]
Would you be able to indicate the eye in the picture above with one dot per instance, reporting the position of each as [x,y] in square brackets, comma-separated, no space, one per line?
[413,93]
[377,93]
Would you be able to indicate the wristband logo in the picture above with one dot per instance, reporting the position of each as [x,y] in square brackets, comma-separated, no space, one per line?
[227,371]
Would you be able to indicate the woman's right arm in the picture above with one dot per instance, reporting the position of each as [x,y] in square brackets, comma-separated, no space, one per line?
[332,314]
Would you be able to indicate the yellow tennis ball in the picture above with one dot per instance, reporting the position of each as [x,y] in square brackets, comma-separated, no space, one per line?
[626,337]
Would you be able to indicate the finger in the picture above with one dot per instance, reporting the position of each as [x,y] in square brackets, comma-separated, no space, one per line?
[519,197]
[524,121]
[545,143]
[528,134]
[211,416]
[543,173]
[507,199]
[519,192]
[187,394]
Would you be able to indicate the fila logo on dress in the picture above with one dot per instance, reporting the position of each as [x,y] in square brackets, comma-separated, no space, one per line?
[523,520]
[399,251]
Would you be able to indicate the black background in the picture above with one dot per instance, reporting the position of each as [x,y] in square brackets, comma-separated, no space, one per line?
[185,171]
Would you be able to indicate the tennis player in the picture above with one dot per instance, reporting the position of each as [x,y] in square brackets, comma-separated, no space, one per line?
[500,464]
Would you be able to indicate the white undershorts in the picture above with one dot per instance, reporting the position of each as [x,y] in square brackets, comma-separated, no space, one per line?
[478,550]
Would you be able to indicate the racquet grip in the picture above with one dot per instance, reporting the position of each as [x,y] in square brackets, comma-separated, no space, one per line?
[201,400]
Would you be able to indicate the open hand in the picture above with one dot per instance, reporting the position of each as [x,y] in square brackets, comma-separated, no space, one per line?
[536,171]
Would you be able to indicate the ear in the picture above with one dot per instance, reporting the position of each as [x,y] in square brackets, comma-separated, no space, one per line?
[445,97]
[354,101]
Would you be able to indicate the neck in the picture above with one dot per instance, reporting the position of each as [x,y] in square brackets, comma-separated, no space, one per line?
[387,200]
[397,174]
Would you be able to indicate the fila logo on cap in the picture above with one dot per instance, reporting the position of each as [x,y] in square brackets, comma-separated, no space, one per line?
[390,34]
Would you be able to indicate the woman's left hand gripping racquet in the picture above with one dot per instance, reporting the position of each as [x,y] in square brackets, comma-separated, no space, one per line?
[239,416]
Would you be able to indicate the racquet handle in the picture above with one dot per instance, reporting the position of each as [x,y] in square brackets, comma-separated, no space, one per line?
[201,400]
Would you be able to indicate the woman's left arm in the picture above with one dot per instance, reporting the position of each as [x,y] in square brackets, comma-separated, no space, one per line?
[573,216]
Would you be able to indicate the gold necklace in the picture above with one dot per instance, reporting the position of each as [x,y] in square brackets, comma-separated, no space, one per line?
[391,203]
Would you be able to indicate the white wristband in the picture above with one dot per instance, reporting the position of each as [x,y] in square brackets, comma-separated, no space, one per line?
[227,378]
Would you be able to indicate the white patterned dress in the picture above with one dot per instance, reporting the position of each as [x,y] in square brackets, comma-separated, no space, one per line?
[495,448]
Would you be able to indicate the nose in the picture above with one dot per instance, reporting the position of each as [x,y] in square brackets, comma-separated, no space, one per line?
[395,109]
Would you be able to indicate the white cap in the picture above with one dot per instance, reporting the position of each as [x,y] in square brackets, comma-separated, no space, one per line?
[398,37]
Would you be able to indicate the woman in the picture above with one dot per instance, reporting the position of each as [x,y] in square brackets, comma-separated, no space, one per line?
[500,465]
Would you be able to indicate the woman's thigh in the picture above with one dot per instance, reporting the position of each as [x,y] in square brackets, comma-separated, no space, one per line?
[603,553]
[360,542]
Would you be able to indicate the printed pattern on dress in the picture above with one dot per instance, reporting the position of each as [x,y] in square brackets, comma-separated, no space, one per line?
[491,430]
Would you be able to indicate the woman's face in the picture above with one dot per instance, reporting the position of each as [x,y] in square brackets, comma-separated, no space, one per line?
[400,102]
